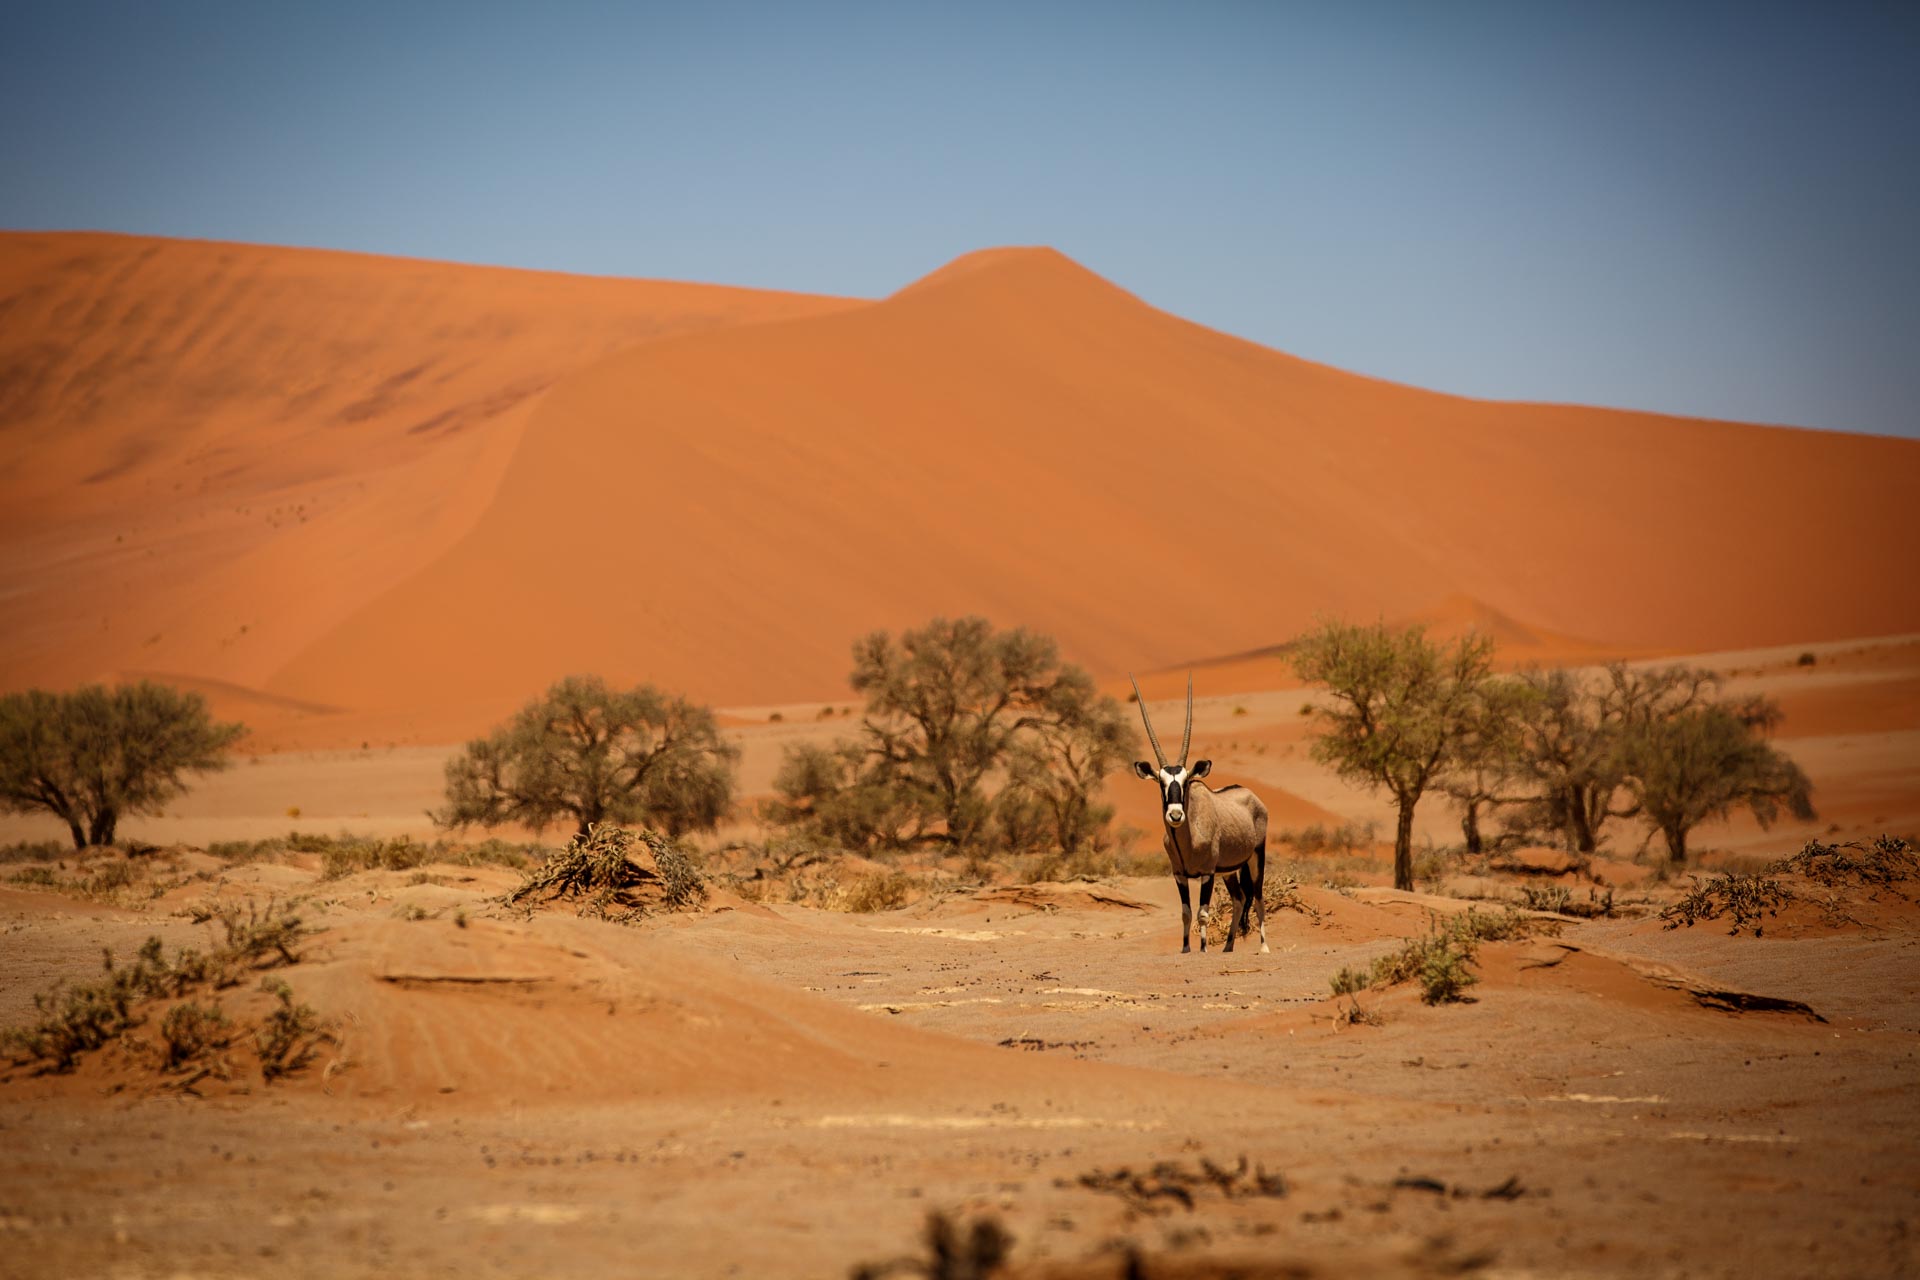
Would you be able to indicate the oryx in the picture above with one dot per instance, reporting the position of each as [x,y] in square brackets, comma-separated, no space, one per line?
[1208,833]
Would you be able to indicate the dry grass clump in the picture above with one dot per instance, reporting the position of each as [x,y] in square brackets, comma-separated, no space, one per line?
[1282,893]
[1559,899]
[78,1019]
[1441,959]
[1746,900]
[604,871]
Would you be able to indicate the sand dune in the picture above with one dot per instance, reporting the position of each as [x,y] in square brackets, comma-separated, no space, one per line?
[418,491]
[210,453]
[1019,438]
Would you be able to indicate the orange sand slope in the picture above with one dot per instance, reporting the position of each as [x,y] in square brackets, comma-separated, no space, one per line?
[722,505]
[212,453]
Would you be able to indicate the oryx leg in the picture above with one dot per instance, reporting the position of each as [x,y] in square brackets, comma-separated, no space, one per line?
[1236,895]
[1260,890]
[1245,900]
[1206,911]
[1186,919]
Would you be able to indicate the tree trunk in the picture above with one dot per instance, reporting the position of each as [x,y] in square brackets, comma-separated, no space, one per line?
[1403,847]
[1470,826]
[1579,823]
[101,830]
[1676,843]
[79,833]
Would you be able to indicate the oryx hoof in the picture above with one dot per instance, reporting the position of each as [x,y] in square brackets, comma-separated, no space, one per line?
[1185,947]
[1264,948]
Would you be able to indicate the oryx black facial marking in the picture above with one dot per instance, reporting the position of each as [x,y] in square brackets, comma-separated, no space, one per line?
[1173,780]
[1207,832]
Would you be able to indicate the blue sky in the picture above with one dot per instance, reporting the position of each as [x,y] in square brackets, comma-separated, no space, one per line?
[1698,208]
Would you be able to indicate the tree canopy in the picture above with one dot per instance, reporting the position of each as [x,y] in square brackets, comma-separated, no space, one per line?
[1703,761]
[587,753]
[91,756]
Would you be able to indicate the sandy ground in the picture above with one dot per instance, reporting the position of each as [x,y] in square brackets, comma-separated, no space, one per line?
[755,1090]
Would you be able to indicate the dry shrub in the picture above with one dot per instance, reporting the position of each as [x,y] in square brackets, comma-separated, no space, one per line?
[603,870]
[1887,861]
[191,1034]
[1745,899]
[289,1035]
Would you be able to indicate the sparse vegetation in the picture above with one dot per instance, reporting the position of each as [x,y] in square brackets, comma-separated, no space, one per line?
[347,854]
[594,755]
[345,857]
[1171,1182]
[1887,861]
[96,754]
[78,1019]
[1440,960]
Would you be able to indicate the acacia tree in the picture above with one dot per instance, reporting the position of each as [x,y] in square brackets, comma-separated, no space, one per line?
[950,708]
[1056,770]
[593,754]
[1573,732]
[93,755]
[1702,761]
[1403,706]
[1486,765]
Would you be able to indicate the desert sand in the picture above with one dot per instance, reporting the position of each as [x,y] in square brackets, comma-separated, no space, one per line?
[369,506]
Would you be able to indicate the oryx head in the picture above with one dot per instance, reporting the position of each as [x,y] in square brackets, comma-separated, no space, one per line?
[1173,778]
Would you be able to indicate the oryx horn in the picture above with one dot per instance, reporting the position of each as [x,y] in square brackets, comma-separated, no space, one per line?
[1186,739]
[1158,755]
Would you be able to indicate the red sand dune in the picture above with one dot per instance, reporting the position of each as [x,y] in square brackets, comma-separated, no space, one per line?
[510,476]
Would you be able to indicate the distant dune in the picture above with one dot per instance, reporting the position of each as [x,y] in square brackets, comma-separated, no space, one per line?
[391,486]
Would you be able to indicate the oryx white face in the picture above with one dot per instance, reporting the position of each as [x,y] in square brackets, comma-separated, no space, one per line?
[1173,780]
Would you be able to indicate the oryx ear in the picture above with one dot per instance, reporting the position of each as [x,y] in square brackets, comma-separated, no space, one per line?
[1200,769]
[1145,770]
